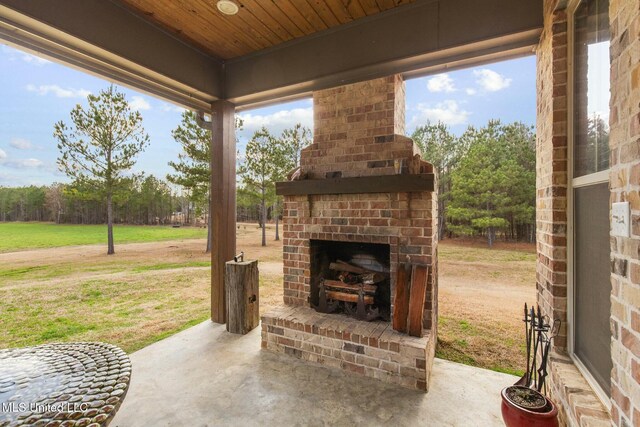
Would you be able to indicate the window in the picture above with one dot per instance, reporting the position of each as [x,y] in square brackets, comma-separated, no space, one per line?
[591,87]
[589,264]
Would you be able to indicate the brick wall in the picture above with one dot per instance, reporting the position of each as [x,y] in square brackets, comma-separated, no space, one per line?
[624,141]
[576,401]
[578,404]
[551,169]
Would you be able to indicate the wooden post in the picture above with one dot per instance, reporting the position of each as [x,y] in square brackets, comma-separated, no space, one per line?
[243,299]
[223,202]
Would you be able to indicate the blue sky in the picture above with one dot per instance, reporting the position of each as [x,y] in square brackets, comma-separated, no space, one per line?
[35,93]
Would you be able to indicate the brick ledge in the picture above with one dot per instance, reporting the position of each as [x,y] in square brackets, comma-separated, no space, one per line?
[577,403]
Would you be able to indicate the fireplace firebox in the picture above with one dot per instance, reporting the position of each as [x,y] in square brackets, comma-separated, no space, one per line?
[352,278]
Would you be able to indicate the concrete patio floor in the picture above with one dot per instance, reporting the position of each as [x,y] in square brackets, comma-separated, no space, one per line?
[205,376]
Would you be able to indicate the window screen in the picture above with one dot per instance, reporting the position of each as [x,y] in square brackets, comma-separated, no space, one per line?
[592,281]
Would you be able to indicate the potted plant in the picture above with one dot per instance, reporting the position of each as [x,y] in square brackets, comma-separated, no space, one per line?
[524,403]
[525,406]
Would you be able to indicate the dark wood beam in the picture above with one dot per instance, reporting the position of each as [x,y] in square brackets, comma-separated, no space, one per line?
[223,202]
[426,36]
[357,185]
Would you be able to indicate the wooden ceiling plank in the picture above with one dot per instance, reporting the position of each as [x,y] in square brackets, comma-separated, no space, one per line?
[204,20]
[354,8]
[273,9]
[159,16]
[261,14]
[257,27]
[199,25]
[240,25]
[310,15]
[217,28]
[232,25]
[340,11]
[370,7]
[321,8]
[288,9]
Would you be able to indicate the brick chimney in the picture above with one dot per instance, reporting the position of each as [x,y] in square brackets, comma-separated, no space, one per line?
[358,130]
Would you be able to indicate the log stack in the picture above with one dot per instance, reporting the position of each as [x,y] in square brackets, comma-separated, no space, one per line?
[352,289]
[351,281]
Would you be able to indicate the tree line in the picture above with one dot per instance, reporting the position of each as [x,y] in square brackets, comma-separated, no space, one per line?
[143,200]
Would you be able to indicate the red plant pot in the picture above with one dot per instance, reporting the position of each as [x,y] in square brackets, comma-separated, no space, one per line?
[516,416]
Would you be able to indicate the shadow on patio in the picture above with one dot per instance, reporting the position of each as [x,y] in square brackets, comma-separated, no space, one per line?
[205,376]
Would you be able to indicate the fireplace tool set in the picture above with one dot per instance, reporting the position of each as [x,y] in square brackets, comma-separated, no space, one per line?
[538,335]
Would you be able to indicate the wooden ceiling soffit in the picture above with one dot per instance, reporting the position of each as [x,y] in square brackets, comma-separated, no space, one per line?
[259,24]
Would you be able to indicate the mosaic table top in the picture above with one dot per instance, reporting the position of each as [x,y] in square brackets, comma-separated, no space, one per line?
[62,385]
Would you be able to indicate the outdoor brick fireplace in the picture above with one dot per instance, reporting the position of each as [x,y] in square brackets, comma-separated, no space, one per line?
[362,203]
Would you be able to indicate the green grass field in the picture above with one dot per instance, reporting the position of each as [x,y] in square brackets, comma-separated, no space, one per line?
[31,235]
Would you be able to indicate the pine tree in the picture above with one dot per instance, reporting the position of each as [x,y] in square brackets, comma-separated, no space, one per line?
[260,170]
[444,151]
[101,145]
[292,141]
[192,170]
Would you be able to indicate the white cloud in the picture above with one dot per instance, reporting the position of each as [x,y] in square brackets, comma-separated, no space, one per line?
[491,81]
[276,122]
[31,163]
[139,103]
[24,163]
[447,112]
[3,154]
[471,91]
[21,144]
[58,91]
[441,83]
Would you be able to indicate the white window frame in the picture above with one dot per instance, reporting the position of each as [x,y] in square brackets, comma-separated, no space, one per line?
[573,183]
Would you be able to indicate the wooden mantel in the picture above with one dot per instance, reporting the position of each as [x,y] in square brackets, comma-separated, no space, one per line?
[358,185]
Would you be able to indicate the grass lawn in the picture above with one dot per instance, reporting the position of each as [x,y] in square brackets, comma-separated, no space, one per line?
[143,293]
[150,290]
[31,235]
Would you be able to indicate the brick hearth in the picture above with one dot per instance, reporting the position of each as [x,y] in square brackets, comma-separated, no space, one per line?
[372,349]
